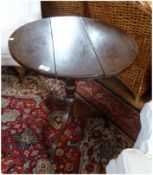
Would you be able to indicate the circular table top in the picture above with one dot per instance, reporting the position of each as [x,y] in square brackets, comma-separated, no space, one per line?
[72,48]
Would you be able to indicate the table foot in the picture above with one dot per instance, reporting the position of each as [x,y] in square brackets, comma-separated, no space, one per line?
[70,88]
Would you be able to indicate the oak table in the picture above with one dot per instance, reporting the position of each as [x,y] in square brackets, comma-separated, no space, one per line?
[71,49]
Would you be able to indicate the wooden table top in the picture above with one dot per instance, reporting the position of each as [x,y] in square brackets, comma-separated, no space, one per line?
[72,48]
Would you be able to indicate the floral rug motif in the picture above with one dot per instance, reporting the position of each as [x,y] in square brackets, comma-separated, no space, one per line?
[31,118]
[123,115]
[28,131]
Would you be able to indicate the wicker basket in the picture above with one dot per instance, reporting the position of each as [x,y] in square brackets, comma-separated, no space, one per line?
[131,16]
[136,20]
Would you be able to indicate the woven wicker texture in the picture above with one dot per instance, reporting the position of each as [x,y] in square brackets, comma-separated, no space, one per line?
[133,17]
[61,8]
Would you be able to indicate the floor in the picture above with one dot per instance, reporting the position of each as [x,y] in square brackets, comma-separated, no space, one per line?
[117,87]
[31,117]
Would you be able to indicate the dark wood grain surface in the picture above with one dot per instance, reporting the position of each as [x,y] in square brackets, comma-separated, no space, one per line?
[74,54]
[114,48]
[31,46]
[72,48]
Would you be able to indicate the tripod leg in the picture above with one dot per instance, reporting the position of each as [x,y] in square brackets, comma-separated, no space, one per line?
[70,89]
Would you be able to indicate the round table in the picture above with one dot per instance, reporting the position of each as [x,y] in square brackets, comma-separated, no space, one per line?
[71,49]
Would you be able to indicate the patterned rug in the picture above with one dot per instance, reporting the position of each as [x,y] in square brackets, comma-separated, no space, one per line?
[126,117]
[31,118]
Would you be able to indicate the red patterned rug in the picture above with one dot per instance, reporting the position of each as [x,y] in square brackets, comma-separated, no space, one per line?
[117,110]
[31,118]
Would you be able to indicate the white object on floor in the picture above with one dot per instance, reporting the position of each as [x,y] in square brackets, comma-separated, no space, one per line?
[144,141]
[130,161]
[137,160]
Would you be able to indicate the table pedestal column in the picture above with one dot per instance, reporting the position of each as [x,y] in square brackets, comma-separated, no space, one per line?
[70,88]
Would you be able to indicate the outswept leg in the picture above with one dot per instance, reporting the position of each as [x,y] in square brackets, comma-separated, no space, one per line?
[70,88]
